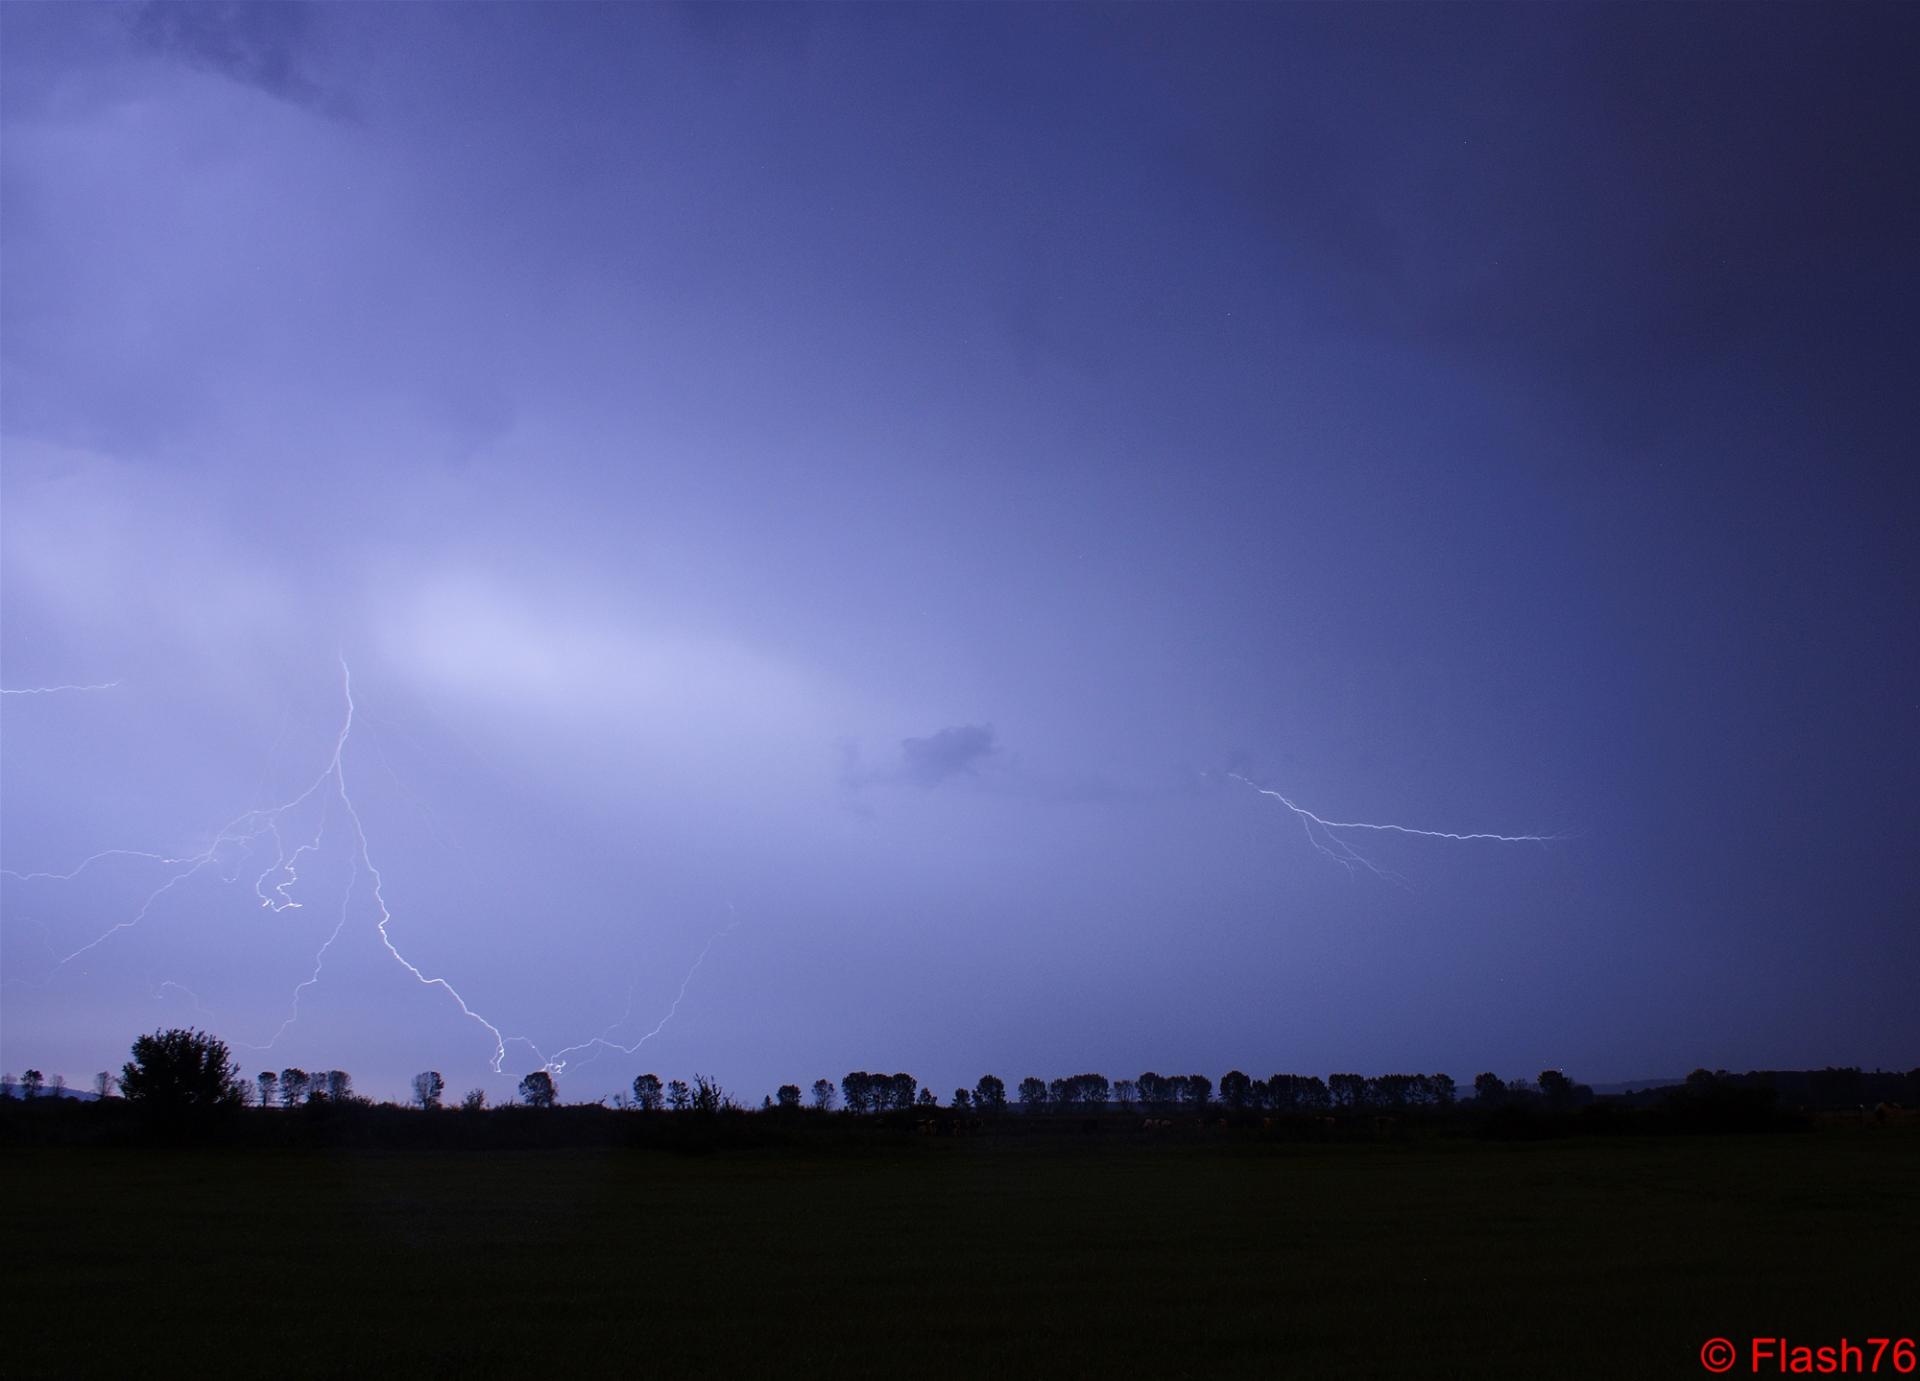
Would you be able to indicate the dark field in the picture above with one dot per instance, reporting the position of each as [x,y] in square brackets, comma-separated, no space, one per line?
[1612,1258]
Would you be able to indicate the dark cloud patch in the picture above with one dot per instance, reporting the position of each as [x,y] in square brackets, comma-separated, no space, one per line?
[257,45]
[947,754]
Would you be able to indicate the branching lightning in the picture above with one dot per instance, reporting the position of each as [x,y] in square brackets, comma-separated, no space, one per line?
[275,887]
[1321,834]
[601,1042]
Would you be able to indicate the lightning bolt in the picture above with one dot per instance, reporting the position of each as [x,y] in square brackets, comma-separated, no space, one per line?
[56,690]
[240,835]
[600,1043]
[160,992]
[1321,834]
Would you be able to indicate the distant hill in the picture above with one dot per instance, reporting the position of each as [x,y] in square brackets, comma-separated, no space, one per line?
[13,1091]
[1635,1085]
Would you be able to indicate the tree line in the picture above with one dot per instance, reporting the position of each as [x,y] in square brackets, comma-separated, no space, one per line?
[185,1069]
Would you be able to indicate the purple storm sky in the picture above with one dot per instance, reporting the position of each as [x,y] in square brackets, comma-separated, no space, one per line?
[866,477]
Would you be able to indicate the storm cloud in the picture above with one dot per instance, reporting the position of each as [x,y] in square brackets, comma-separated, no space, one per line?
[949,753]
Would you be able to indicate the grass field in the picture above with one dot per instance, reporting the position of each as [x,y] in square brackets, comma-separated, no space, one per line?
[1614,1258]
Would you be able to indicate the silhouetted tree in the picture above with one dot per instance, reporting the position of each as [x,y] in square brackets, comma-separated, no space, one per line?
[1033,1094]
[537,1090]
[103,1085]
[1061,1093]
[1443,1090]
[647,1094]
[789,1095]
[473,1100]
[677,1095]
[1557,1089]
[1392,1091]
[903,1088]
[1199,1091]
[1236,1089]
[1349,1090]
[59,1086]
[339,1085]
[990,1094]
[1835,1087]
[8,1084]
[269,1085]
[708,1096]
[180,1071]
[1155,1091]
[1489,1089]
[962,1098]
[30,1083]
[857,1089]
[427,1088]
[1123,1092]
[823,1095]
[293,1086]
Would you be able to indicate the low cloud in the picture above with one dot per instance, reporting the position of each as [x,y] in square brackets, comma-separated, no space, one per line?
[258,45]
[947,754]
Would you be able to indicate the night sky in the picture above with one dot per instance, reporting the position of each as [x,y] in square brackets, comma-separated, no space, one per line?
[842,491]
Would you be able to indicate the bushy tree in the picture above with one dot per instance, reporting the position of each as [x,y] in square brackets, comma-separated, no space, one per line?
[902,1089]
[537,1089]
[708,1097]
[428,1087]
[103,1085]
[1489,1089]
[1391,1091]
[31,1083]
[990,1093]
[473,1100]
[180,1071]
[678,1097]
[1557,1088]
[339,1086]
[293,1086]
[788,1095]
[1124,1092]
[269,1085]
[1033,1094]
[854,1087]
[1236,1089]
[1349,1090]
[823,1094]
[647,1092]
[926,1099]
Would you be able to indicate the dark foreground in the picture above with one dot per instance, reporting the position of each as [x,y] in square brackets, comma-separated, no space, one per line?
[1615,1258]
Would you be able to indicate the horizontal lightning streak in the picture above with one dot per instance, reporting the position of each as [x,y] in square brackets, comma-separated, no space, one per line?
[1343,853]
[56,690]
